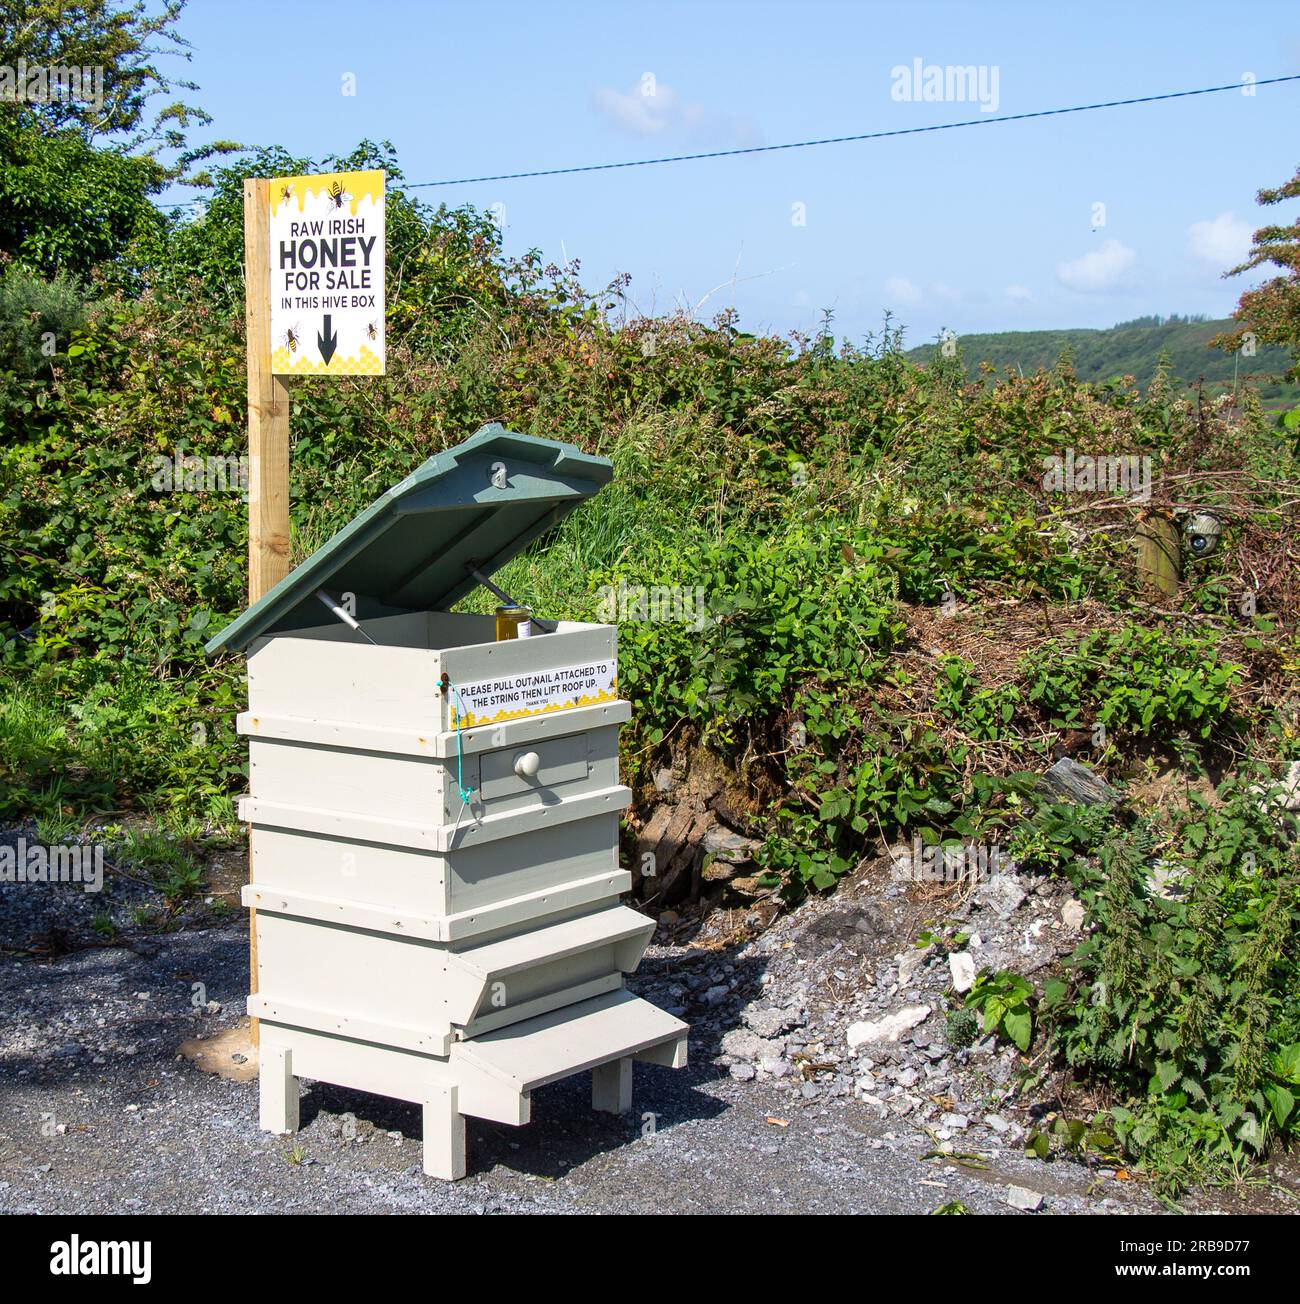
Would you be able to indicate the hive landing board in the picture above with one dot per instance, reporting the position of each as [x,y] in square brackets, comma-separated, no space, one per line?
[327,274]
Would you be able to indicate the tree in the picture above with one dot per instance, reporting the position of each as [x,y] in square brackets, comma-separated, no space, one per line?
[128,43]
[80,157]
[1271,312]
[65,206]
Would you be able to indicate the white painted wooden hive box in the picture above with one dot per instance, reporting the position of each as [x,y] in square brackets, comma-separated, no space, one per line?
[434,815]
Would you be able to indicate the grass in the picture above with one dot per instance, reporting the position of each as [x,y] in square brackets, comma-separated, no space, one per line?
[626,520]
[33,731]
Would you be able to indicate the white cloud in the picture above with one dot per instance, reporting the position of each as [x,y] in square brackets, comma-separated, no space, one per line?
[1098,270]
[1221,241]
[653,108]
[1019,293]
[901,292]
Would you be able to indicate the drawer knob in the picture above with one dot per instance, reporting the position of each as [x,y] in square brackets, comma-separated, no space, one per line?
[527,764]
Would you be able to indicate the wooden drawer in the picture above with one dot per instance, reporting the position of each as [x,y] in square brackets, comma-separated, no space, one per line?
[514,777]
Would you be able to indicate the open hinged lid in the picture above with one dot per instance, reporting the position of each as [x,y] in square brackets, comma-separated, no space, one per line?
[480,503]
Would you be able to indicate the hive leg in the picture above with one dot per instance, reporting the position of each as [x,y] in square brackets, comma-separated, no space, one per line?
[611,1086]
[444,1135]
[277,1088]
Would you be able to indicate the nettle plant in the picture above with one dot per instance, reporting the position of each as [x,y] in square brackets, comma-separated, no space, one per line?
[1004,999]
[1184,995]
[982,714]
[1056,834]
[985,544]
[783,611]
[1141,681]
[868,772]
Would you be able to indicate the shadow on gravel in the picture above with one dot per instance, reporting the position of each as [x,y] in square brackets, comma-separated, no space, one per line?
[114,1013]
[565,1132]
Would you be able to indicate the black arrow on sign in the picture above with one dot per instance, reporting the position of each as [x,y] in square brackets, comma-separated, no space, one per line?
[327,341]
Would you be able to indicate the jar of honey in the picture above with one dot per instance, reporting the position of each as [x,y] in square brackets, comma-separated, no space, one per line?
[514,622]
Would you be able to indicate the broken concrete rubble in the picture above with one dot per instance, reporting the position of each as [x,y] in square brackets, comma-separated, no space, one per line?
[1004,893]
[888,1028]
[910,961]
[961,964]
[1021,1197]
[841,1001]
[767,1021]
[1073,914]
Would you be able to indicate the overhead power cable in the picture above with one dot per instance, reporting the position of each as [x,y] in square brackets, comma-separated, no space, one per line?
[844,140]
[830,140]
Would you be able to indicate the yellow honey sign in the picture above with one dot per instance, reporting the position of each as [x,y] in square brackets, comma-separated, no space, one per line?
[327,274]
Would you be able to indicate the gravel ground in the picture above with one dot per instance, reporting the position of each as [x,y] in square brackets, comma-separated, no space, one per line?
[33,913]
[100,1114]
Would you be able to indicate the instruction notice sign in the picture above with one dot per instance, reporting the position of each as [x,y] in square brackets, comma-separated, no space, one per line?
[327,274]
[533,692]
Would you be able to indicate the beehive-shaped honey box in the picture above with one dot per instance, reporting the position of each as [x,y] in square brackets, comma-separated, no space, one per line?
[434,814]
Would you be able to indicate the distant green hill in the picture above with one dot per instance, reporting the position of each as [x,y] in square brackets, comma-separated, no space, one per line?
[1131,348]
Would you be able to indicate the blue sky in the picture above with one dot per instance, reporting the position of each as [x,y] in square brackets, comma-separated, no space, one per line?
[988,228]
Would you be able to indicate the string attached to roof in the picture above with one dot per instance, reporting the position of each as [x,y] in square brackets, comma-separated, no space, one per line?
[466,794]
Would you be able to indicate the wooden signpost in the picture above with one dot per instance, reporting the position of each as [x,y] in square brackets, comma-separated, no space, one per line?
[314,259]
[268,407]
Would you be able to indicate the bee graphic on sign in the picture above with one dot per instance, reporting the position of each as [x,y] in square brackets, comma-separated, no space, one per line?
[286,193]
[337,195]
[372,331]
[292,337]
